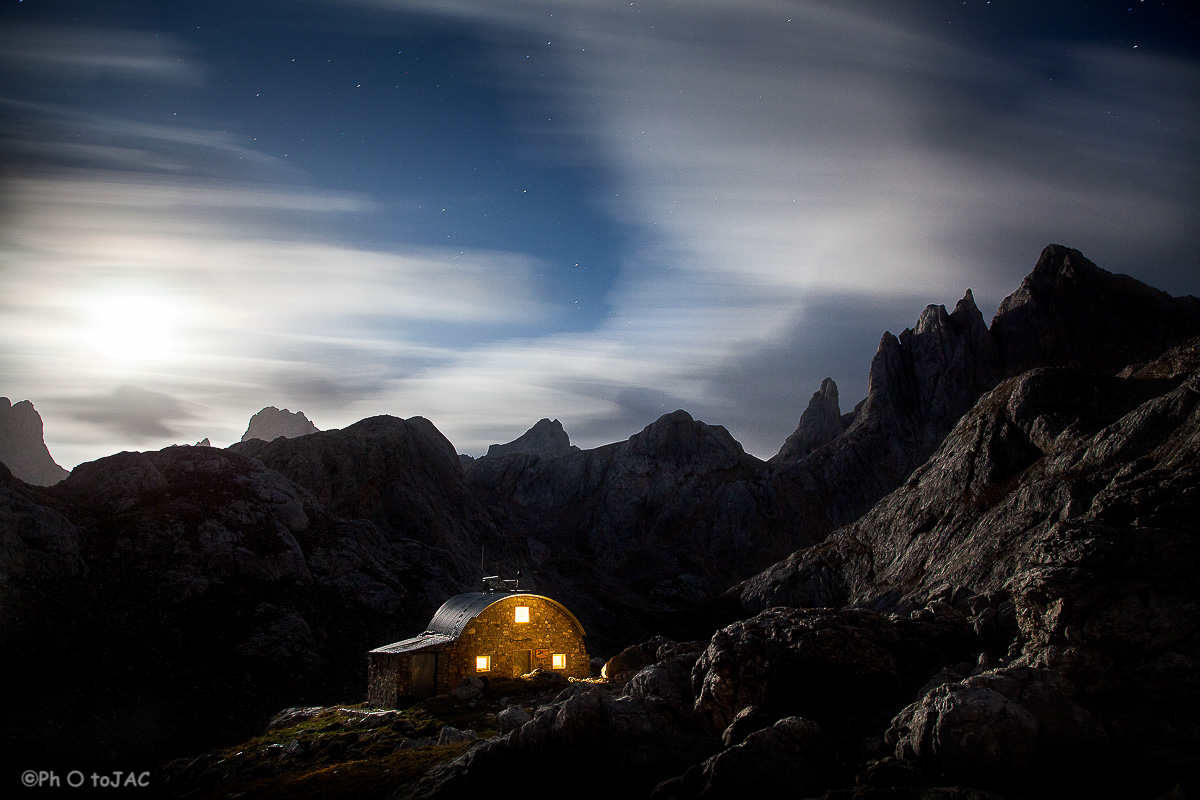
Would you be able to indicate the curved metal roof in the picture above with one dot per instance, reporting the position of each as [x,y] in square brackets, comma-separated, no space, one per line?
[452,618]
[415,643]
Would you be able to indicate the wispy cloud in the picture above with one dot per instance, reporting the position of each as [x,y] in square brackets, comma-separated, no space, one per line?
[782,157]
[87,53]
[218,314]
[802,176]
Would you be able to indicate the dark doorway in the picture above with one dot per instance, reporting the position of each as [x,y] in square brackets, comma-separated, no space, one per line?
[424,675]
[522,662]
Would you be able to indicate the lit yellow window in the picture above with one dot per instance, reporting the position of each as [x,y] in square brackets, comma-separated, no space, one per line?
[558,661]
[483,663]
[522,614]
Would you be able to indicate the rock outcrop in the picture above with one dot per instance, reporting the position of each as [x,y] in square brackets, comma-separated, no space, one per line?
[919,385]
[820,424]
[402,475]
[22,446]
[1060,514]
[618,743]
[546,438]
[271,423]
[1069,312]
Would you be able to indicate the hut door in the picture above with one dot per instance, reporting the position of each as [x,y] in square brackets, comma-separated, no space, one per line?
[522,662]
[424,675]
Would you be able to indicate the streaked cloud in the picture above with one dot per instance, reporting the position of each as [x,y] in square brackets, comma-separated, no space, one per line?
[89,54]
[799,177]
[134,414]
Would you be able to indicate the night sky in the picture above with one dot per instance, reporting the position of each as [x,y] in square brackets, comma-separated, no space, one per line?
[486,212]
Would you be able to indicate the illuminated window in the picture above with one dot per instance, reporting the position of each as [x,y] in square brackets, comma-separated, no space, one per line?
[522,614]
[483,663]
[558,661]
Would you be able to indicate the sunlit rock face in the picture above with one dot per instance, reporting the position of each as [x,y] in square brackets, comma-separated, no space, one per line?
[22,448]
[546,438]
[271,423]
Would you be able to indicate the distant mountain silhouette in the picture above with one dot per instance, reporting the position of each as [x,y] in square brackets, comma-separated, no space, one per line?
[271,423]
[22,447]
[546,438]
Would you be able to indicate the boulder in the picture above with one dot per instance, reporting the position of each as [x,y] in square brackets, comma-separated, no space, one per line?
[620,746]
[450,735]
[999,723]
[512,718]
[791,758]
[469,688]
[840,668]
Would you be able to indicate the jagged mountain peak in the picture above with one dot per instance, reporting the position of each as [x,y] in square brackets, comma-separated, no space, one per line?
[545,438]
[22,446]
[820,424]
[271,423]
[1070,312]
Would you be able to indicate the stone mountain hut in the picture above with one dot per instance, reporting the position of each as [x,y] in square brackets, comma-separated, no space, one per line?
[483,634]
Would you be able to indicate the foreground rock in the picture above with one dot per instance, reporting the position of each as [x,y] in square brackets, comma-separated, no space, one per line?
[22,446]
[1060,514]
[600,742]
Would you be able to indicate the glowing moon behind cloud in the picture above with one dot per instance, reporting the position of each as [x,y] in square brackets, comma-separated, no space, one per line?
[133,328]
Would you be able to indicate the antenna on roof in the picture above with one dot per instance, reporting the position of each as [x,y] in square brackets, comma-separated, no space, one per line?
[482,566]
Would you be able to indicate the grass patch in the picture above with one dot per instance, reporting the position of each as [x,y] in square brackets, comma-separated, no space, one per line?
[367,778]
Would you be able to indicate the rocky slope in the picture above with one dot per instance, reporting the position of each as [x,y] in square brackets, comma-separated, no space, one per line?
[1062,510]
[1019,619]
[149,585]
[22,446]
[271,423]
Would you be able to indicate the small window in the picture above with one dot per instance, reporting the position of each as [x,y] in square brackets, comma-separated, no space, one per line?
[558,661]
[483,663]
[522,614]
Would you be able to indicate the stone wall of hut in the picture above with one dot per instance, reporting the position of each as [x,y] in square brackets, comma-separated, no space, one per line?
[496,633]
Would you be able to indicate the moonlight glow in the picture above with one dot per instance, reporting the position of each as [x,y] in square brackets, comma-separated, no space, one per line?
[485,213]
[132,329]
